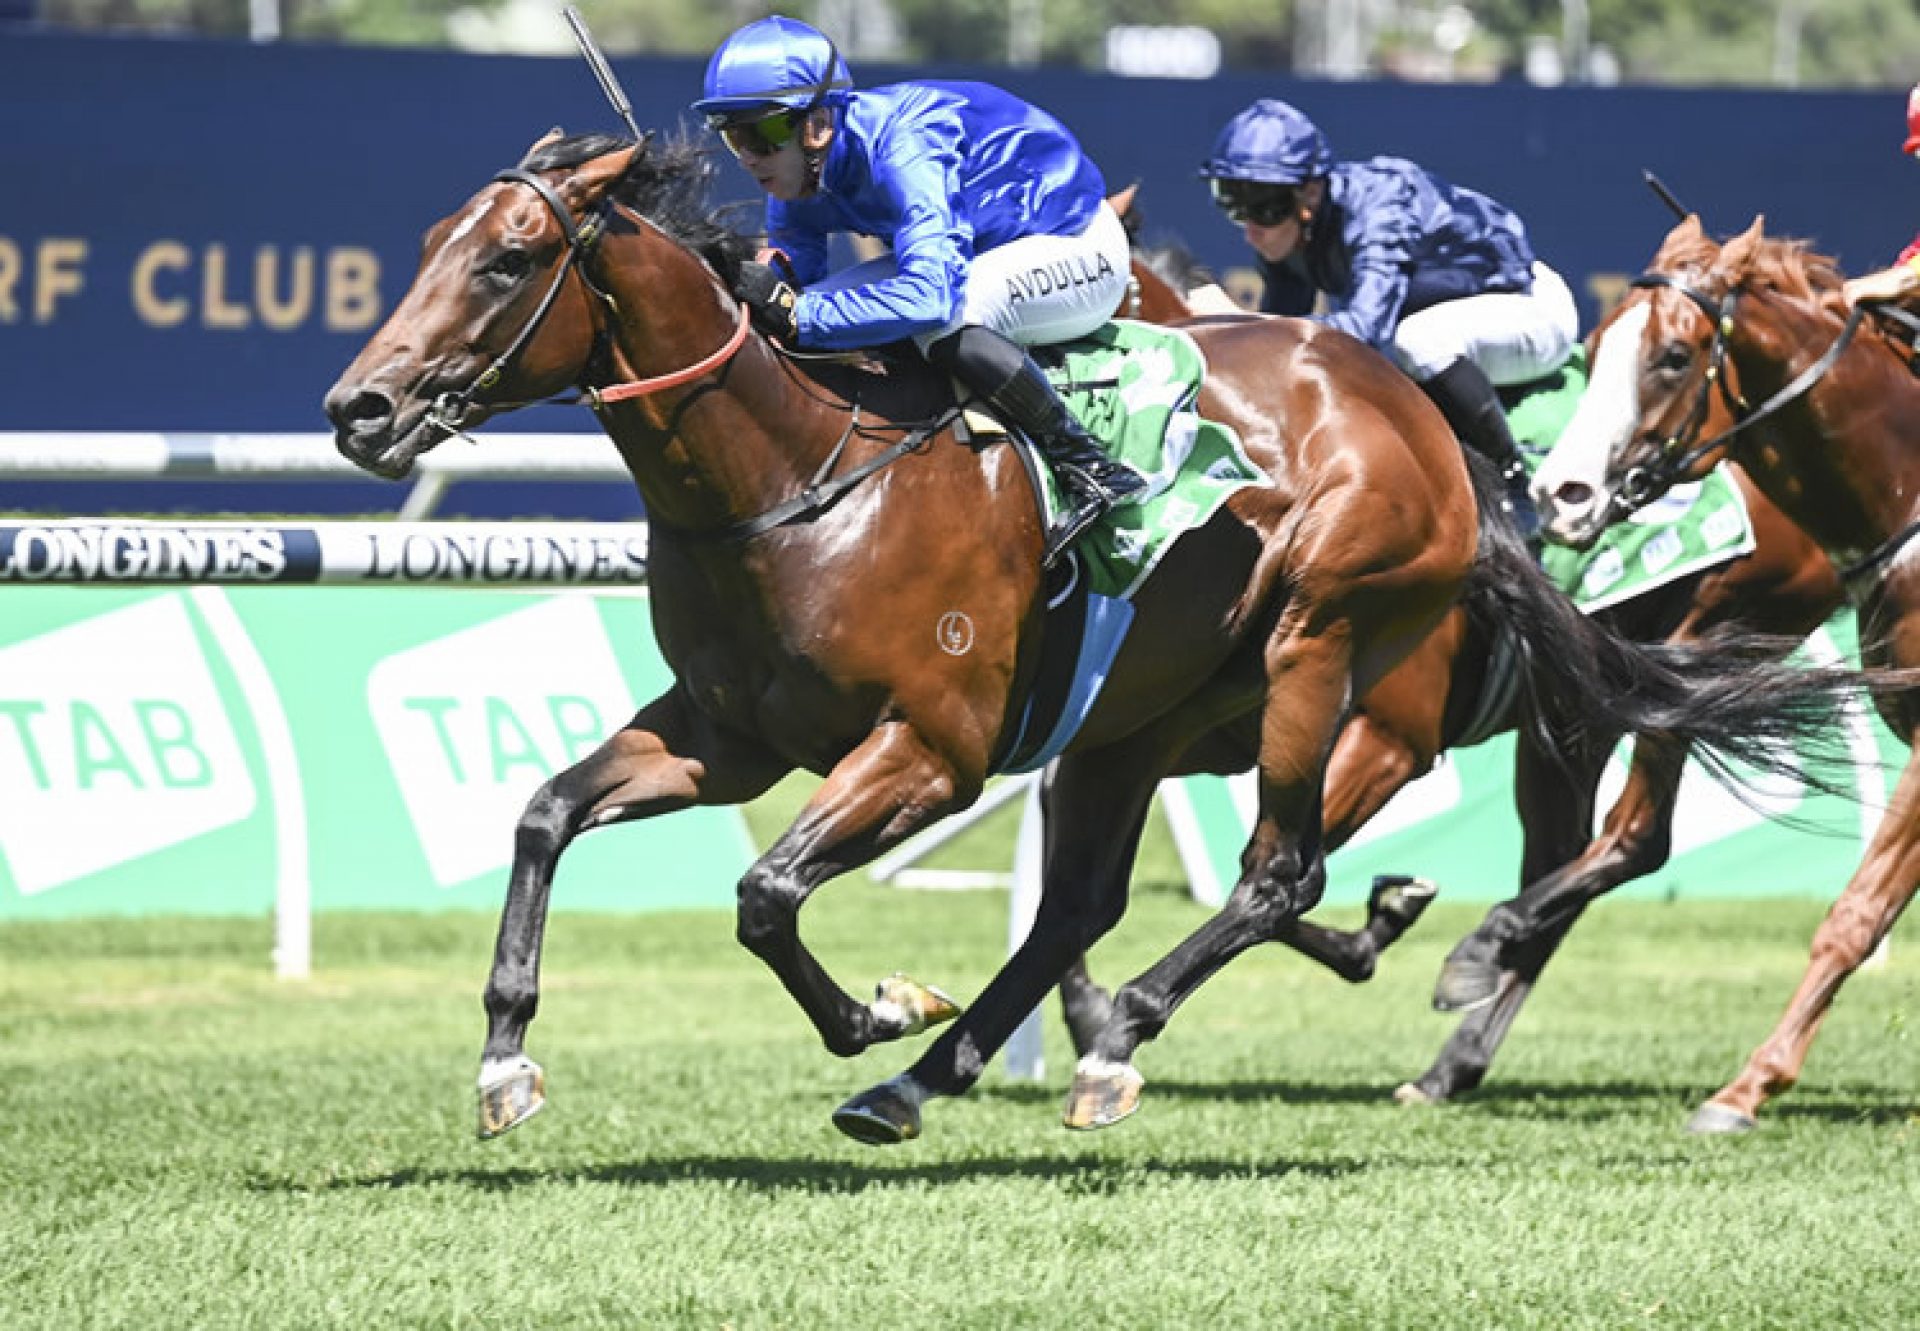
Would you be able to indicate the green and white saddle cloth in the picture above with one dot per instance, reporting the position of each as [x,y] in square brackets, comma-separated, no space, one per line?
[1133,385]
[1690,528]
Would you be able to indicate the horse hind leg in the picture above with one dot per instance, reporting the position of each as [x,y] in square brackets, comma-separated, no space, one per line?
[1373,760]
[1283,872]
[1094,807]
[665,759]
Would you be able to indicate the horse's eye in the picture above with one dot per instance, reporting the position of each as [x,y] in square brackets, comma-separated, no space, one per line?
[509,266]
[1674,358]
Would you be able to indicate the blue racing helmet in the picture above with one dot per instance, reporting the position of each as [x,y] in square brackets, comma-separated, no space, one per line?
[769,64]
[1270,143]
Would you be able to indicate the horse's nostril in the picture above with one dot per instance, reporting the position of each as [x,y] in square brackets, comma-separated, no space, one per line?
[1574,494]
[359,410]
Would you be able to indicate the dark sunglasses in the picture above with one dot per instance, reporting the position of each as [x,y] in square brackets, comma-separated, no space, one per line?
[1261,205]
[756,138]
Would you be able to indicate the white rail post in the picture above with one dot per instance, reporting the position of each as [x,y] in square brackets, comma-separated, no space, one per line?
[1026,1058]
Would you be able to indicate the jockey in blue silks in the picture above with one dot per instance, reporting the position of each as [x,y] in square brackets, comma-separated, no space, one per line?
[1442,279]
[1000,235]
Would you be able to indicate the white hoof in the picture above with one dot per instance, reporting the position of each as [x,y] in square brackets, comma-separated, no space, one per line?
[903,1006]
[512,1090]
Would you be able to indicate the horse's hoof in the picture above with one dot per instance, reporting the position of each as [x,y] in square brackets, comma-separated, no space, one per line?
[886,1115]
[1103,1093]
[1712,1119]
[1413,1093]
[904,1006]
[1464,986]
[1400,899]
[511,1092]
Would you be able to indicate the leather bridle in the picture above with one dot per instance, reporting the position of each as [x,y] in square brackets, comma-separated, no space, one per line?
[1679,452]
[451,409]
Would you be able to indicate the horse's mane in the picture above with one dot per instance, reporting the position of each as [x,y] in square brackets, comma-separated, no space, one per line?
[667,184]
[1784,264]
[1177,264]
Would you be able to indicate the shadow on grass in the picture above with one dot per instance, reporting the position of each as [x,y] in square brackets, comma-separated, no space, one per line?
[1589,1101]
[1083,1177]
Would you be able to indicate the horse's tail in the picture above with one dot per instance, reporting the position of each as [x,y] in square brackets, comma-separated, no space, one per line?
[1734,699]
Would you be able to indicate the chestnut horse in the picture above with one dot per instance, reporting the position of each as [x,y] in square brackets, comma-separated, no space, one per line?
[1431,701]
[1828,426]
[841,584]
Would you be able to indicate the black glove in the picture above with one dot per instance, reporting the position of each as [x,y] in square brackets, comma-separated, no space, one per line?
[769,299]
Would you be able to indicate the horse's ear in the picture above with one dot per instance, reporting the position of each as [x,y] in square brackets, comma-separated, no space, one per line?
[1685,238]
[1121,201]
[594,178]
[1738,254]
[555,133]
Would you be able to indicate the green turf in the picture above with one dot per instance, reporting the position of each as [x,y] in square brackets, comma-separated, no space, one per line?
[186,1143]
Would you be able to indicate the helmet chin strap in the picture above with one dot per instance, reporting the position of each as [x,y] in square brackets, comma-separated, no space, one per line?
[1311,215]
[813,159]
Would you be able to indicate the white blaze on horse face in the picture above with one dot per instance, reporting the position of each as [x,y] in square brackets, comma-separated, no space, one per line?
[1571,485]
[471,220]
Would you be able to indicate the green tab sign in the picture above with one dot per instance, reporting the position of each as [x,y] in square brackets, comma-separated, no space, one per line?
[185,751]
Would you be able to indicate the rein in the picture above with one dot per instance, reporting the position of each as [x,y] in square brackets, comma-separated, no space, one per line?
[1678,453]
[1640,484]
[595,397]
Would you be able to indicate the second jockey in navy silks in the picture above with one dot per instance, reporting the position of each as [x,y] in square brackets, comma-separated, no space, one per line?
[1000,233]
[1442,279]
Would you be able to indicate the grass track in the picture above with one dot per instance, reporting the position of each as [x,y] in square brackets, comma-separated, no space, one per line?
[186,1143]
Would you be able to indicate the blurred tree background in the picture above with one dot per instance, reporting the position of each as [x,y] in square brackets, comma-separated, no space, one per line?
[1794,43]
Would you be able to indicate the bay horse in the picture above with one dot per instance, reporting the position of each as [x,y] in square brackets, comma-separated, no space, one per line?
[1437,698]
[1827,423]
[841,584]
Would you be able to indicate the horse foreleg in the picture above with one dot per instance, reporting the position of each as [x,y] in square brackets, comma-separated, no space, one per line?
[1094,807]
[668,757]
[1866,909]
[1561,868]
[888,788]
[1463,1062]
[1084,1005]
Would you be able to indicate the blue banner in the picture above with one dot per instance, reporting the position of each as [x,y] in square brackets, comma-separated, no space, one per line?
[200,235]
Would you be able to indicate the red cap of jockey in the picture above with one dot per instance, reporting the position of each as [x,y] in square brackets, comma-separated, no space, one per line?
[1913,121]
[773,62]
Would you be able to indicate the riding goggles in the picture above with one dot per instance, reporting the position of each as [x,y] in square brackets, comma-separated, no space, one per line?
[1253,203]
[759,137]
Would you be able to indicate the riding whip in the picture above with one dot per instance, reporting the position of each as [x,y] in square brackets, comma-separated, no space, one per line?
[1654,183]
[609,84]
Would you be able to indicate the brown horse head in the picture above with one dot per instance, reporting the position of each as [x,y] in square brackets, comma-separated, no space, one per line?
[492,319]
[1707,335]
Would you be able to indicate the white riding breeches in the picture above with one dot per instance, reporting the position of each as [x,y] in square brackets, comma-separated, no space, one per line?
[1513,337]
[1035,290]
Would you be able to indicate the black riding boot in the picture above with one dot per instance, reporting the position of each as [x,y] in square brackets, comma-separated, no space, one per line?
[1009,381]
[1467,399]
